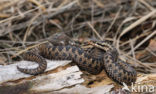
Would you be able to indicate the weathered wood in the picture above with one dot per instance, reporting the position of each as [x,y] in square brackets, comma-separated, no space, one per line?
[79,89]
[10,72]
[56,81]
[41,83]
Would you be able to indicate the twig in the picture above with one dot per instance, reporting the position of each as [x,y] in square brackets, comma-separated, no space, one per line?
[22,51]
[29,29]
[136,38]
[38,4]
[149,50]
[148,37]
[93,29]
[13,17]
[55,11]
[98,3]
[133,25]
[116,16]
[138,22]
[137,61]
[12,2]
[146,4]
[132,48]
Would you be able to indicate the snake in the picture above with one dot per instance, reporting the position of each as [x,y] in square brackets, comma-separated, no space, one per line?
[101,57]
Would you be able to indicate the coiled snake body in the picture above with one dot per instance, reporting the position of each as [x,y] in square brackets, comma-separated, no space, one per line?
[116,69]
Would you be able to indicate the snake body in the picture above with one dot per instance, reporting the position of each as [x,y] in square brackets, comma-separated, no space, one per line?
[115,68]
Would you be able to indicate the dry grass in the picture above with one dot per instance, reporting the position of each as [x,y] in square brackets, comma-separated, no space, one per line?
[129,25]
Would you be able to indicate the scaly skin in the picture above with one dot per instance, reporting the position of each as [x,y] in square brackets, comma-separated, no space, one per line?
[116,69]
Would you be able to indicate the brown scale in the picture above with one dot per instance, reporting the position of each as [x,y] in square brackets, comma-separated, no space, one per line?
[83,60]
[30,56]
[119,70]
[116,69]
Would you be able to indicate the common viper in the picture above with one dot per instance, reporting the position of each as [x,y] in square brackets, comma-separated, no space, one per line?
[115,68]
